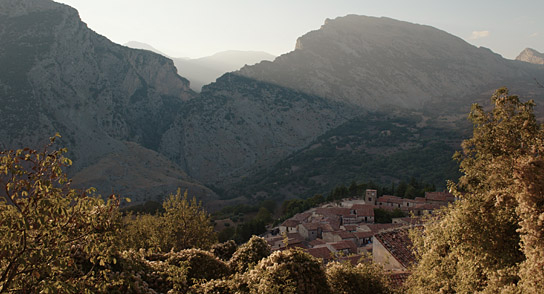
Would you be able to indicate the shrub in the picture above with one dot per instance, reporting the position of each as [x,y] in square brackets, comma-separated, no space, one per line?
[289,271]
[343,278]
[249,254]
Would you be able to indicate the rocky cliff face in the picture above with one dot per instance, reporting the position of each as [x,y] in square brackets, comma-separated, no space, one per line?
[59,76]
[531,56]
[239,125]
[134,127]
[380,62]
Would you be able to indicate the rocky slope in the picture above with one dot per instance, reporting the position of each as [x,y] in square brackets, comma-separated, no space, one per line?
[239,125]
[380,62]
[136,128]
[59,76]
[531,56]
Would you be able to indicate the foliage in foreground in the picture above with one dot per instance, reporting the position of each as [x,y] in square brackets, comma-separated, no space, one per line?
[343,278]
[57,239]
[52,237]
[491,240]
[184,224]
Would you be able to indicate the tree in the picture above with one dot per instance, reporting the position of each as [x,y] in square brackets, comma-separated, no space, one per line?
[52,237]
[478,244]
[343,278]
[184,224]
[288,271]
[249,254]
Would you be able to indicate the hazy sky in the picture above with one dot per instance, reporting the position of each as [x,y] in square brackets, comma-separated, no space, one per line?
[182,28]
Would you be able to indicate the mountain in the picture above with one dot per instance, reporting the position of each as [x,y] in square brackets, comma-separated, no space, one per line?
[377,63]
[360,98]
[205,70]
[57,75]
[531,56]
[361,65]
[383,147]
[239,125]
[143,46]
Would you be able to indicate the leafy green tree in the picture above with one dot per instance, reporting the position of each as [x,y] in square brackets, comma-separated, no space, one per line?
[343,278]
[225,250]
[264,215]
[289,271]
[52,238]
[249,254]
[530,173]
[197,266]
[353,191]
[184,224]
[478,244]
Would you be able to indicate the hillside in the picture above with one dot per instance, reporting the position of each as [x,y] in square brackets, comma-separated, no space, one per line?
[239,125]
[377,63]
[380,147]
[59,76]
[313,116]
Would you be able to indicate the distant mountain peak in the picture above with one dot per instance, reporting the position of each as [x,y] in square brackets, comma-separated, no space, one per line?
[531,55]
[143,46]
[378,62]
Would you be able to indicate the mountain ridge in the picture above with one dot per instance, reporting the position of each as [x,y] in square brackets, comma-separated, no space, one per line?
[379,62]
[531,56]
[112,104]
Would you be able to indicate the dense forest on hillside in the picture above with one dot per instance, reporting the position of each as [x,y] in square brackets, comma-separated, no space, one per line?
[379,147]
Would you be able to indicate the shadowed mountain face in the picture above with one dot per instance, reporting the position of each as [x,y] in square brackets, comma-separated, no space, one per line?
[59,76]
[380,62]
[239,125]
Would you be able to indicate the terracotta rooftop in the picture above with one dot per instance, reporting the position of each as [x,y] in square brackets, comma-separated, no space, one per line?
[294,236]
[321,252]
[301,216]
[340,211]
[428,206]
[345,244]
[420,199]
[365,210]
[398,279]
[408,220]
[312,226]
[361,235]
[439,196]
[389,198]
[386,207]
[398,244]
[350,228]
[345,235]
[376,228]
[291,223]
[316,242]
[326,227]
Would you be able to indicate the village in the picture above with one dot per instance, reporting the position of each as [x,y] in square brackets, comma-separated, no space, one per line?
[346,231]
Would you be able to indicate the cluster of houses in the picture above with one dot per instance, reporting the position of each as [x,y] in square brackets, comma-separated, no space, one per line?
[346,230]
